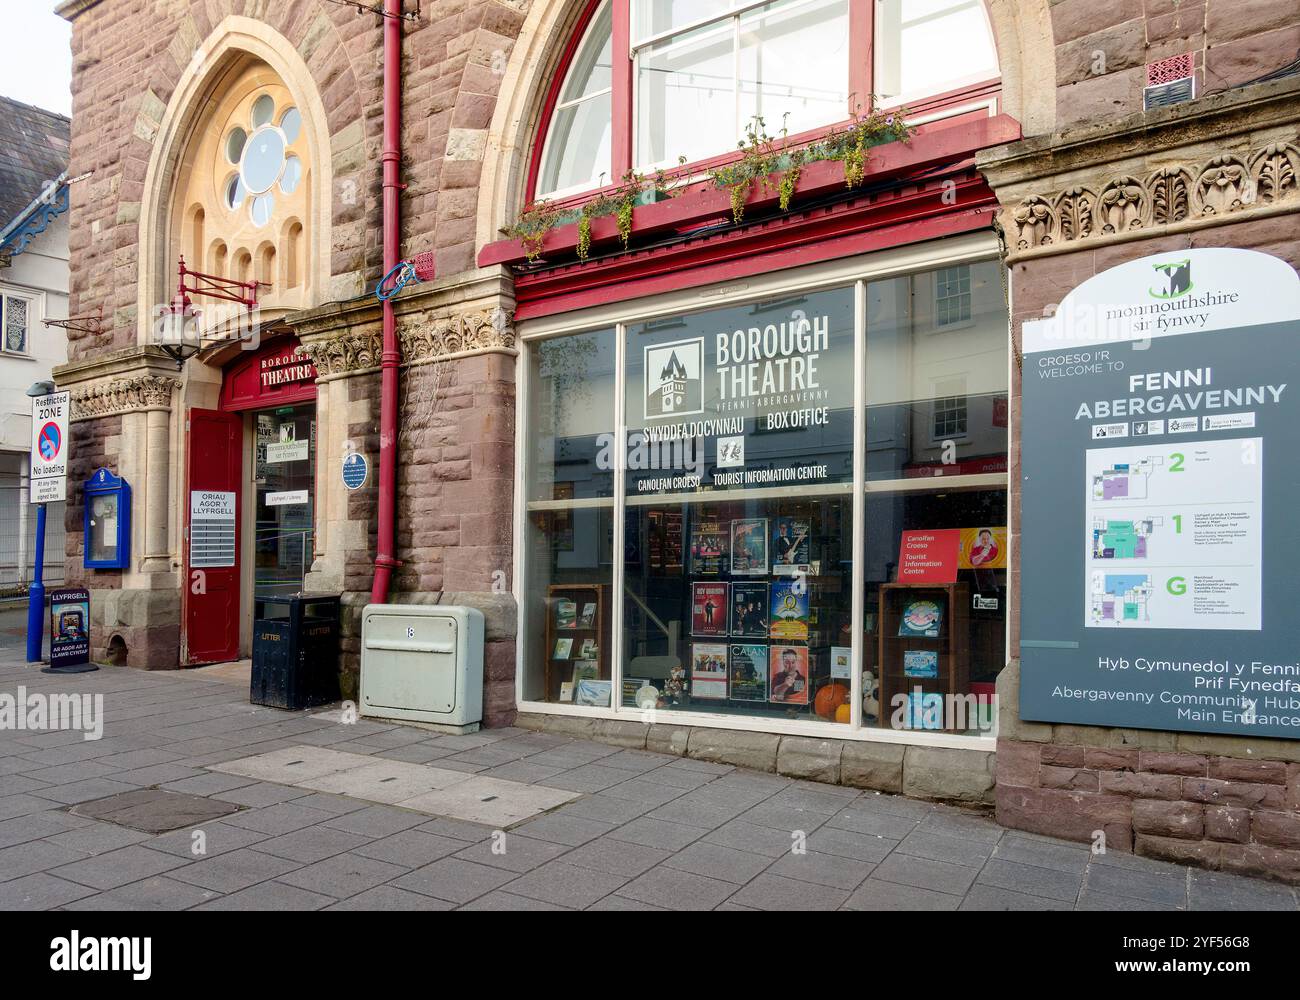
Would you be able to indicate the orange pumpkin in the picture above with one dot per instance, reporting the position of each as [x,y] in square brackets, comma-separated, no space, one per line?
[829,698]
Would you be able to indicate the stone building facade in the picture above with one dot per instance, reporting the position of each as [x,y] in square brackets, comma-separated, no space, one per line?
[1056,148]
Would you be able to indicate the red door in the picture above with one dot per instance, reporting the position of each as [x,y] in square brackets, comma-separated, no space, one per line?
[210,613]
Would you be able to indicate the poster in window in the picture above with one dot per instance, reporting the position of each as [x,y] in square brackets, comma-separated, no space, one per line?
[708,548]
[562,520]
[566,612]
[749,546]
[266,434]
[595,694]
[673,541]
[922,619]
[748,665]
[709,609]
[585,670]
[788,674]
[748,610]
[920,663]
[709,671]
[790,546]
[789,610]
[654,539]
[984,547]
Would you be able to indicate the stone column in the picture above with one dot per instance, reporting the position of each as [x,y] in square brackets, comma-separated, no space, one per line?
[156,393]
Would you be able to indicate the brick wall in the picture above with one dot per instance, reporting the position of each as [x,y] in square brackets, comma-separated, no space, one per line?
[1227,813]
[1102,48]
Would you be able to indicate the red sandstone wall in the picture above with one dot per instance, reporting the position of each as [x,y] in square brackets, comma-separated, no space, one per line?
[1102,48]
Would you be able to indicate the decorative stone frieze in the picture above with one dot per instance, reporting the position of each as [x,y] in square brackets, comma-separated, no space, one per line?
[423,339]
[1213,188]
[439,337]
[123,395]
[348,352]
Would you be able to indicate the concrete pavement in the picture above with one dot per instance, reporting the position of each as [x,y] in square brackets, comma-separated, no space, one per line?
[632,830]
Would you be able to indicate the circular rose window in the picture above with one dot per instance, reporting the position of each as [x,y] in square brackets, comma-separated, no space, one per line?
[262,155]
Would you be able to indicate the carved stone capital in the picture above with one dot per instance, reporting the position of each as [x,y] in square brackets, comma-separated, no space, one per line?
[434,338]
[342,354]
[123,395]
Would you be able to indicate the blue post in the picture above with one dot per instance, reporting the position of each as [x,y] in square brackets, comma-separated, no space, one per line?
[36,594]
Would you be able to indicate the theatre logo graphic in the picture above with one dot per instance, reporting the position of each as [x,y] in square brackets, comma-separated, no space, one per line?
[674,384]
[1178,279]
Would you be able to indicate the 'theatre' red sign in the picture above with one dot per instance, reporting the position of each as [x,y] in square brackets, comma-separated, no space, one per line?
[928,556]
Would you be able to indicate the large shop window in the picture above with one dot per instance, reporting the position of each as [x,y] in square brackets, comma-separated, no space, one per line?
[654,82]
[706,562]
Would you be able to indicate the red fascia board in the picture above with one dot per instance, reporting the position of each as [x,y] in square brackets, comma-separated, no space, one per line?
[707,203]
[820,235]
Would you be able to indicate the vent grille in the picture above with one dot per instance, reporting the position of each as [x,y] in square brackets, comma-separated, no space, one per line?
[1168,70]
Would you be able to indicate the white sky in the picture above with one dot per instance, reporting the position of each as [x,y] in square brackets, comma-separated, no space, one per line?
[36,67]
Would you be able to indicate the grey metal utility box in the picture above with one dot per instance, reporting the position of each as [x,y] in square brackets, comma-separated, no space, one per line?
[423,663]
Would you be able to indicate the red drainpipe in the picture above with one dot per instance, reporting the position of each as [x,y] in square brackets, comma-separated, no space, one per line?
[392,356]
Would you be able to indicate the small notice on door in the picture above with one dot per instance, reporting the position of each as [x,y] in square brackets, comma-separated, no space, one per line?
[286,451]
[212,529]
[286,498]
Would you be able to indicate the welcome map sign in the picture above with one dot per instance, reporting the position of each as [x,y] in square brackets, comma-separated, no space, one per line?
[1159,519]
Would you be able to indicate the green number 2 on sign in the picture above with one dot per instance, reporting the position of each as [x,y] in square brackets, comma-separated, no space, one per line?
[1177,462]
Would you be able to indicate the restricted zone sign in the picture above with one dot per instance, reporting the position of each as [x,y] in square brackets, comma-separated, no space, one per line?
[49,471]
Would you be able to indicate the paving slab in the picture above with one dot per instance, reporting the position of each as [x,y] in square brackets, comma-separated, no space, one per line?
[564,885]
[510,852]
[490,801]
[454,880]
[383,816]
[343,875]
[387,781]
[291,765]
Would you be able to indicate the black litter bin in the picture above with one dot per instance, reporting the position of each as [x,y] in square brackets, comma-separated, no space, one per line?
[295,654]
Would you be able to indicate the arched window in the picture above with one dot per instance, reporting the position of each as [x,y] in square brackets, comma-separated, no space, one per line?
[576,154]
[247,170]
[697,72]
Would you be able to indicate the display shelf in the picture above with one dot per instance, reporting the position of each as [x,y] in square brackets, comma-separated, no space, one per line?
[560,669]
[949,645]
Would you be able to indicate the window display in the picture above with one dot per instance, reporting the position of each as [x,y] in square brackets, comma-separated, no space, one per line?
[704,561]
[936,644]
[752,643]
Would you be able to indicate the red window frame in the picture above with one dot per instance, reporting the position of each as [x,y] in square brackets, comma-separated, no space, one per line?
[861,71]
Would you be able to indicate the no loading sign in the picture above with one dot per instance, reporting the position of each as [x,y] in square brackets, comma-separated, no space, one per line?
[50,441]
[49,452]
